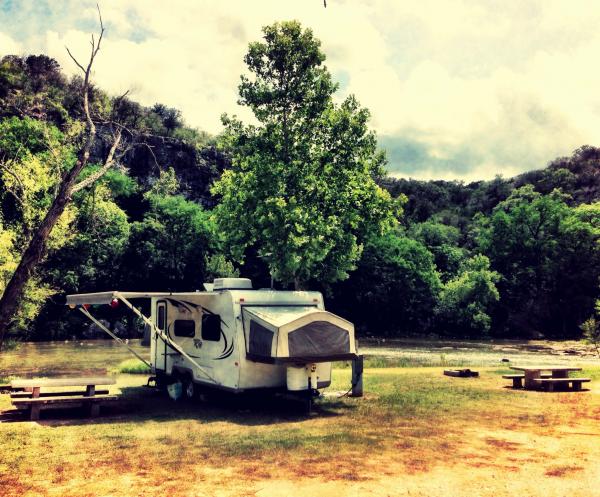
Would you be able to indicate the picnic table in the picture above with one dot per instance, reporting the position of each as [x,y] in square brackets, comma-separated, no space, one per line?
[547,376]
[34,399]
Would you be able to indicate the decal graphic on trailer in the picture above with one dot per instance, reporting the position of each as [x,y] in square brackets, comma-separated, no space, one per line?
[212,320]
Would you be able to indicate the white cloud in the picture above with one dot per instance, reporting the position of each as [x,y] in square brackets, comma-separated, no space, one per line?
[509,85]
[8,45]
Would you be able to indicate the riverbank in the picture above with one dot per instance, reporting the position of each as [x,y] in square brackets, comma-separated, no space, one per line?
[106,356]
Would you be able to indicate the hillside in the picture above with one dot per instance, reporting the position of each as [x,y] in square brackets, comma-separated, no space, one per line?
[454,202]
[35,87]
[510,257]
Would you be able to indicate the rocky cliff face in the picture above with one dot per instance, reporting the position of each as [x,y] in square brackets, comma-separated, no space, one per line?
[196,169]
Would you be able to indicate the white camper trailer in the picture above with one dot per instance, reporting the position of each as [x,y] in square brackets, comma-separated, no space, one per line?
[235,338]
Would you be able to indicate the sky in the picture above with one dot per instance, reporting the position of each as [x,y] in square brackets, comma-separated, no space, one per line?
[463,90]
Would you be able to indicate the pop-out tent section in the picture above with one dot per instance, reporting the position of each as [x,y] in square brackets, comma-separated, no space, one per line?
[296,334]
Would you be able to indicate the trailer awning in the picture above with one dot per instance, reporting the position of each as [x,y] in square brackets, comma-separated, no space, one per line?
[107,297]
[84,300]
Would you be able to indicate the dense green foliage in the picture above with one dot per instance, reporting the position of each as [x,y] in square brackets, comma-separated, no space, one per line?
[465,300]
[394,287]
[548,255]
[168,245]
[304,197]
[591,329]
[301,188]
[443,242]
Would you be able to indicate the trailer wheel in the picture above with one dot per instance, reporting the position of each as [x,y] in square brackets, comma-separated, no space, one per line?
[189,388]
[175,390]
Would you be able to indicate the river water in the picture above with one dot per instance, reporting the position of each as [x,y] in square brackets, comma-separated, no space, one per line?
[101,356]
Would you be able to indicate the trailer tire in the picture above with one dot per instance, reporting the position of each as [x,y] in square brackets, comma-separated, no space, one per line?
[175,390]
[189,388]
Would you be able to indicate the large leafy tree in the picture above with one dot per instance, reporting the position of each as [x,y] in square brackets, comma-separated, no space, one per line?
[169,246]
[34,155]
[394,288]
[68,184]
[549,258]
[575,285]
[464,304]
[443,242]
[91,258]
[301,190]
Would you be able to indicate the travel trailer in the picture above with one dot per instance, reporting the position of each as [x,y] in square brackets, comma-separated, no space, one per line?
[235,338]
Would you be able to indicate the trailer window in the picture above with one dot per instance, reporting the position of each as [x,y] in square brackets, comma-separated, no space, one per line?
[261,340]
[160,320]
[211,327]
[184,328]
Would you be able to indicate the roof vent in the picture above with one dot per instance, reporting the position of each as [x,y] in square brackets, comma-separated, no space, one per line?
[232,284]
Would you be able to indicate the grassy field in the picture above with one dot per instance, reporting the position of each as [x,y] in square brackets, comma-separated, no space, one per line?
[415,432]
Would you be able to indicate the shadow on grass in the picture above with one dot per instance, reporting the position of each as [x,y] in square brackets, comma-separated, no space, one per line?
[141,404]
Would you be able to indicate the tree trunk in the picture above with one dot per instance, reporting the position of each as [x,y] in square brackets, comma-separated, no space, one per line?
[36,249]
[31,257]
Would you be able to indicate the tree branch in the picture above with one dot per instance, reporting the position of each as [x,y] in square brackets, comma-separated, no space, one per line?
[108,163]
[5,167]
[74,59]
[151,153]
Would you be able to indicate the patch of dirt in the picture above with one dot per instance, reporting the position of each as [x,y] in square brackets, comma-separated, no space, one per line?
[552,451]
[502,444]
[562,470]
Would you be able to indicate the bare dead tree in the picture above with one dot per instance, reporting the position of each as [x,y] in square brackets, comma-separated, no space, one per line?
[36,249]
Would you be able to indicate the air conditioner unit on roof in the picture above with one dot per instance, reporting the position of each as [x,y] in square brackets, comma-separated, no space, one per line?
[232,284]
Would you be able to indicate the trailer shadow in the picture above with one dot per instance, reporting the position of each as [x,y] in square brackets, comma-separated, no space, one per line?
[252,409]
[141,404]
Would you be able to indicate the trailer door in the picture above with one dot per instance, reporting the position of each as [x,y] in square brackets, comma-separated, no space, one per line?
[161,324]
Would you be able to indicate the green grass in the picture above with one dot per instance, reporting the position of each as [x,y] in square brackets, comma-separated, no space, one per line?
[409,414]
[133,366]
[256,442]
[10,345]
[410,395]
[407,361]
[592,373]
[249,429]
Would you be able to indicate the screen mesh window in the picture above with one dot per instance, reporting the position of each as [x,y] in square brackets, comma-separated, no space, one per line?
[160,319]
[184,328]
[211,327]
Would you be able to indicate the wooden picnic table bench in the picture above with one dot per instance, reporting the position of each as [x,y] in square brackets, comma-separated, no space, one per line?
[517,379]
[19,394]
[550,383]
[546,376]
[35,400]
